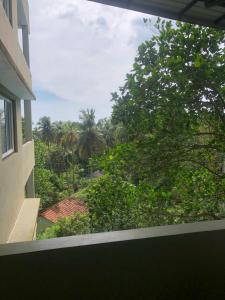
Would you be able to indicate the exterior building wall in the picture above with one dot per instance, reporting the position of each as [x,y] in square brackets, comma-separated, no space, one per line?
[27,160]
[14,17]
[16,168]
[9,45]
[11,183]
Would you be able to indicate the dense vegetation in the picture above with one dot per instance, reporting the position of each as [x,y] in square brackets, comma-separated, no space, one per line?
[162,153]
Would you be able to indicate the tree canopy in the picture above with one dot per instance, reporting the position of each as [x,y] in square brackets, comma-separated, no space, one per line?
[161,155]
[172,103]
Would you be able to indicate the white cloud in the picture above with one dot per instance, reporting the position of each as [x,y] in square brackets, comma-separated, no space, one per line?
[81,51]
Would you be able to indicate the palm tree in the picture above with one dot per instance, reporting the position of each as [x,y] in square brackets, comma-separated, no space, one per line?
[108,131]
[90,140]
[46,130]
[69,139]
[87,118]
[120,134]
[58,129]
[69,143]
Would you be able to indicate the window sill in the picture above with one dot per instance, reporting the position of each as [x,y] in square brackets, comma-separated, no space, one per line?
[8,153]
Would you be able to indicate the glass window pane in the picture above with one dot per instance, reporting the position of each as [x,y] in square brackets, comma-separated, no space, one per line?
[9,133]
[6,125]
[2,125]
[7,7]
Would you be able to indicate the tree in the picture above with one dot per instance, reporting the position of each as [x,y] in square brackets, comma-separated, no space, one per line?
[49,186]
[58,159]
[172,107]
[107,129]
[69,142]
[45,188]
[59,130]
[87,118]
[41,154]
[45,130]
[110,202]
[172,103]
[164,160]
[113,134]
[90,139]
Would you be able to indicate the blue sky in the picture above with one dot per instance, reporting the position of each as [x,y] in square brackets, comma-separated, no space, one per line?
[80,53]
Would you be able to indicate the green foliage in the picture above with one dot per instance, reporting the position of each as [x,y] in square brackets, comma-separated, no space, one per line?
[84,185]
[45,130]
[110,200]
[77,224]
[115,204]
[44,186]
[41,154]
[199,194]
[90,140]
[172,106]
[87,118]
[58,161]
[81,194]
[162,153]
[88,182]
[49,185]
[117,161]
[172,109]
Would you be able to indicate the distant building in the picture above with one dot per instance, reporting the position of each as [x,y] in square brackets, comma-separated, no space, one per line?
[96,174]
[62,209]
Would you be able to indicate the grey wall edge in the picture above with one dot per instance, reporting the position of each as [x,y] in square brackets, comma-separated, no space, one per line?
[110,237]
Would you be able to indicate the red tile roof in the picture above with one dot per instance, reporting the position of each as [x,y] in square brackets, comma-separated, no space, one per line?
[64,208]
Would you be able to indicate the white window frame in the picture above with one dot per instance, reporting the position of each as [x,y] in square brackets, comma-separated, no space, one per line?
[10,130]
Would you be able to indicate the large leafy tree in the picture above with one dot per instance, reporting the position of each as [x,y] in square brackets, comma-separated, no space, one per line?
[173,101]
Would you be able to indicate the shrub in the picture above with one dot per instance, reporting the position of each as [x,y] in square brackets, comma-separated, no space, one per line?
[110,202]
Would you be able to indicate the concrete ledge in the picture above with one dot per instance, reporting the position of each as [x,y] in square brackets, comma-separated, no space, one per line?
[162,263]
[25,226]
[112,237]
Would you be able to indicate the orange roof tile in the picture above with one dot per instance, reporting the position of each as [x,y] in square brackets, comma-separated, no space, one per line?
[64,208]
